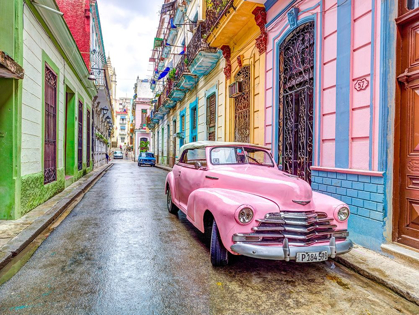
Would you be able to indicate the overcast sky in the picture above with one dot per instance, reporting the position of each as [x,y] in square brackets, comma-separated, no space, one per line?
[128,28]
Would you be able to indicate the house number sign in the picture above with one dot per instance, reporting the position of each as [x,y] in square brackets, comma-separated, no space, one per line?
[361,84]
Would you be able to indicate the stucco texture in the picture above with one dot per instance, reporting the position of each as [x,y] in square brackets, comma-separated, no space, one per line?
[34,192]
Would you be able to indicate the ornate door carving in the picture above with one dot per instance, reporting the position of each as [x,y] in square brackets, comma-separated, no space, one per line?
[296,102]
[242,107]
[407,193]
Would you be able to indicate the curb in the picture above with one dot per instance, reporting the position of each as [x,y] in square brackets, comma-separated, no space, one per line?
[401,288]
[23,239]
[166,168]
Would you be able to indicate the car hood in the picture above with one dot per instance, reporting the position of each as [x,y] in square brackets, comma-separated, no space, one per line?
[287,191]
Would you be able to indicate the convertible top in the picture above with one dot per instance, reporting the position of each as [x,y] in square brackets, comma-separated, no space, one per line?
[204,144]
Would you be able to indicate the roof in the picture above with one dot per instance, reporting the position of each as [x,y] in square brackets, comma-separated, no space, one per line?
[204,144]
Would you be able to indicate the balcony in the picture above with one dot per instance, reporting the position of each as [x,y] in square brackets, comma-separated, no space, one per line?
[229,20]
[202,58]
[185,80]
[167,102]
[149,123]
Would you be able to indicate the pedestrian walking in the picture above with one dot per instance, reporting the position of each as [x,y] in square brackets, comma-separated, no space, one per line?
[107,157]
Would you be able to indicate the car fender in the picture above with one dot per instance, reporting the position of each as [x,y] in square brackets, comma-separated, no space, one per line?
[223,204]
[170,181]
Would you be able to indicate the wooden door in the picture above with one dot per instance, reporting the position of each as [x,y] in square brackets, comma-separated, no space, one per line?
[211,116]
[407,122]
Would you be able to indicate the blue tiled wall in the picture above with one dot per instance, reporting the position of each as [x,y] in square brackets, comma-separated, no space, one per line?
[365,197]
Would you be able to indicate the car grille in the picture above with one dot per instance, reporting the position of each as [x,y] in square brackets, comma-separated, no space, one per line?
[300,228]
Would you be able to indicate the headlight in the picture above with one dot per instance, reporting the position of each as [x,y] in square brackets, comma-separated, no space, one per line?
[342,214]
[245,215]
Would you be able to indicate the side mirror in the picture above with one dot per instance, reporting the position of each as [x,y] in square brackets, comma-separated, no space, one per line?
[198,165]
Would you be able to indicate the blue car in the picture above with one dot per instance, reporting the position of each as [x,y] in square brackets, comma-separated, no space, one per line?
[146,158]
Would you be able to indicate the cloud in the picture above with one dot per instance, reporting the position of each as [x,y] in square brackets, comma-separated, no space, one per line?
[128,28]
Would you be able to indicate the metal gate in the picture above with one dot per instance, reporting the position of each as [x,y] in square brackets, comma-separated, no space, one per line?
[242,107]
[296,75]
[88,139]
[80,138]
[50,145]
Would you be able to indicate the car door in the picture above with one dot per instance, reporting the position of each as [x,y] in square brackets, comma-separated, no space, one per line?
[189,178]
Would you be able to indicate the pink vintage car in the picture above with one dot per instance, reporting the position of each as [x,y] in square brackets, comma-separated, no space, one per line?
[237,196]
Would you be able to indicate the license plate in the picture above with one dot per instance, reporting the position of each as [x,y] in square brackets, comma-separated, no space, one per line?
[312,257]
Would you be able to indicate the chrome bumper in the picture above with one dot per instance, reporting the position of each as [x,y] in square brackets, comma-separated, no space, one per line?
[288,253]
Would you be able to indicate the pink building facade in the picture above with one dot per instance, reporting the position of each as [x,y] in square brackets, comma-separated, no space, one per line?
[326,114]
[142,110]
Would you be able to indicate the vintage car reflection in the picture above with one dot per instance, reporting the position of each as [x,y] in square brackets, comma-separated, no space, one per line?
[237,196]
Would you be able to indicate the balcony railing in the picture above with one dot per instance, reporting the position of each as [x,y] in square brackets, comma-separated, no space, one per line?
[198,43]
[215,11]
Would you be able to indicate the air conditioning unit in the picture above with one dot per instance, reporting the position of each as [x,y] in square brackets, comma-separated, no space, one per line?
[235,89]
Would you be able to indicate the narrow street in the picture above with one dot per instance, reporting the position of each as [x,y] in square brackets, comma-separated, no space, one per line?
[120,252]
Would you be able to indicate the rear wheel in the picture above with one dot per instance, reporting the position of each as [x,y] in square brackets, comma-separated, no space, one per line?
[171,207]
[219,254]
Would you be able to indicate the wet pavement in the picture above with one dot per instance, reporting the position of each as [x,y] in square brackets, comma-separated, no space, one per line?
[120,252]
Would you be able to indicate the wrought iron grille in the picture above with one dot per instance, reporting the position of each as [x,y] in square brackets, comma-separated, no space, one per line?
[296,102]
[180,67]
[215,11]
[50,145]
[211,119]
[198,43]
[80,138]
[88,139]
[242,107]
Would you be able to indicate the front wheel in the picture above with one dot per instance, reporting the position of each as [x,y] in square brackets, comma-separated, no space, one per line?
[171,207]
[219,254]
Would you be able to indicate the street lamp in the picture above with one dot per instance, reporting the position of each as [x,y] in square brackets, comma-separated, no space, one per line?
[104,110]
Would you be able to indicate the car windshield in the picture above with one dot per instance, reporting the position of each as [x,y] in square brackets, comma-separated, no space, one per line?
[118,152]
[240,155]
[144,154]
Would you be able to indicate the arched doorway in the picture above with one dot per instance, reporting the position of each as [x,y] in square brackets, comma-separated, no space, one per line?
[296,80]
[242,107]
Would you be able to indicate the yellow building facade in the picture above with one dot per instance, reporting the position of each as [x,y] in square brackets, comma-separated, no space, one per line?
[214,90]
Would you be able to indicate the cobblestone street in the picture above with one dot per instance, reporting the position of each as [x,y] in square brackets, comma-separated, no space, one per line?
[123,253]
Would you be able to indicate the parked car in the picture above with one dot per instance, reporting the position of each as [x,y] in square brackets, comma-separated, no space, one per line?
[118,155]
[146,158]
[237,196]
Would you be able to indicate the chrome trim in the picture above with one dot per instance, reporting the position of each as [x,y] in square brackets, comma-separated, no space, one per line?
[285,252]
[302,202]
[268,228]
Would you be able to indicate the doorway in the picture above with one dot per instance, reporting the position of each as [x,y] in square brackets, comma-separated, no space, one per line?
[69,154]
[296,81]
[406,176]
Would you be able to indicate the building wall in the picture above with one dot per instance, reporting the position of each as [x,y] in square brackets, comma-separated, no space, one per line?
[39,49]
[77,17]
[346,163]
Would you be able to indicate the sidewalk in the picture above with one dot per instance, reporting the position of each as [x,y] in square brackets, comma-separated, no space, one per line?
[398,272]
[15,235]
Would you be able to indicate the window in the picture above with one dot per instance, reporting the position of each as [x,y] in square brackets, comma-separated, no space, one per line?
[88,139]
[240,155]
[143,117]
[412,4]
[80,138]
[50,144]
[211,119]
[194,155]
[193,122]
